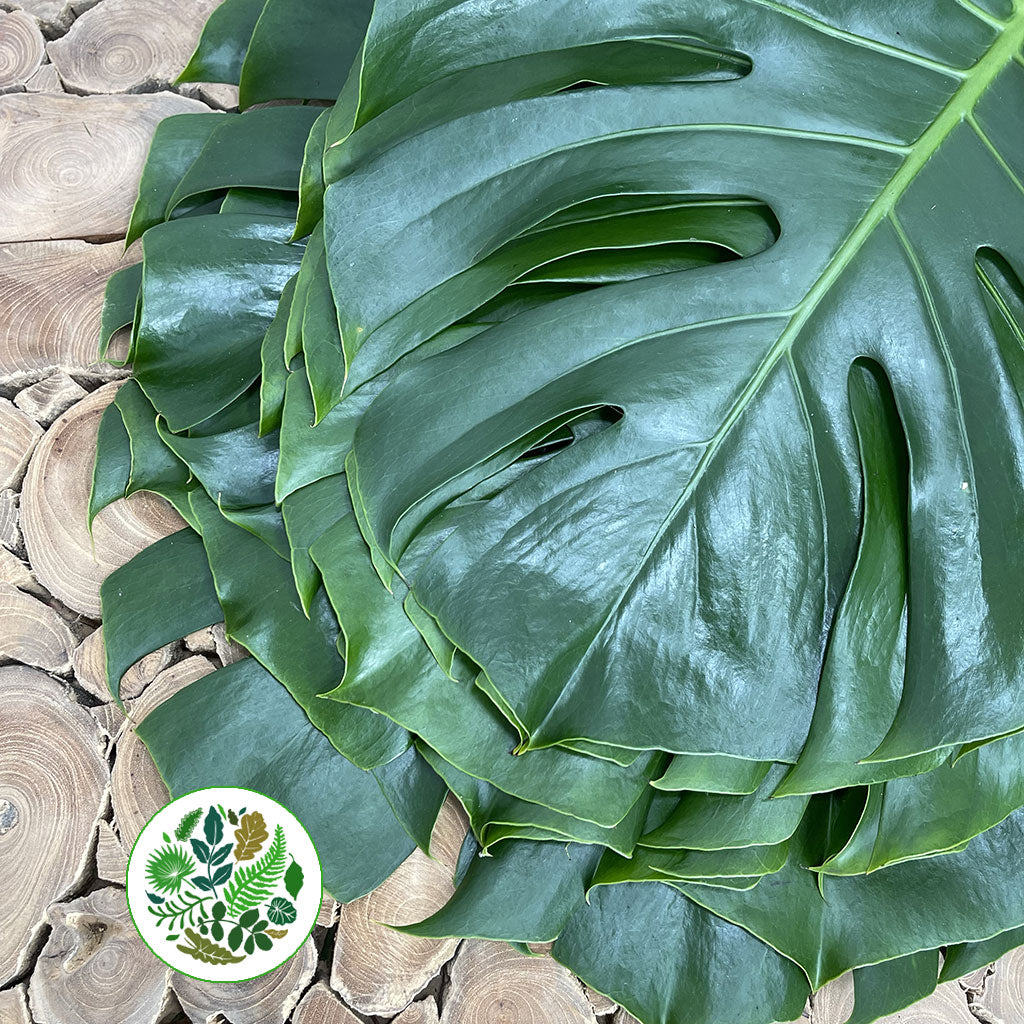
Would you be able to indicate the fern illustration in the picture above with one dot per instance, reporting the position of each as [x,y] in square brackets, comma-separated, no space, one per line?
[187,825]
[254,883]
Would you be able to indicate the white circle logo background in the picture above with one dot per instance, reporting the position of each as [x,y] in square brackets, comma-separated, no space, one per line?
[181,875]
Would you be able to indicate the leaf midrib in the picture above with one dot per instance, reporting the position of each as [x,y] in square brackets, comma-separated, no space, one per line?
[1005,50]
[961,104]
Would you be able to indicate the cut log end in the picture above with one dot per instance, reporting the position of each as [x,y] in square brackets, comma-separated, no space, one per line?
[321,1006]
[51,797]
[490,981]
[138,791]
[126,46]
[95,968]
[54,511]
[21,49]
[266,1000]
[33,633]
[378,970]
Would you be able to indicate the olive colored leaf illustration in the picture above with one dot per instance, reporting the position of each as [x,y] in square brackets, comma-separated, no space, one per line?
[232,817]
[187,825]
[207,951]
[277,933]
[293,879]
[168,867]
[281,911]
[253,883]
[251,835]
[213,826]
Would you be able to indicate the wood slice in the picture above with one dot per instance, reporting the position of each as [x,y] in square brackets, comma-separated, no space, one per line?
[19,435]
[380,971]
[89,662]
[1003,997]
[946,1005]
[490,981]
[53,16]
[51,796]
[602,1004]
[33,633]
[213,640]
[14,1006]
[51,297]
[266,1000]
[72,163]
[21,49]
[137,789]
[10,529]
[95,968]
[423,1012]
[127,46]
[54,508]
[50,397]
[321,1006]
[45,79]
[328,915]
[111,856]
[19,574]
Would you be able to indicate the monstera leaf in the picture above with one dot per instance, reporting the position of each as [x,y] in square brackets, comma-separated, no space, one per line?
[610,415]
[694,553]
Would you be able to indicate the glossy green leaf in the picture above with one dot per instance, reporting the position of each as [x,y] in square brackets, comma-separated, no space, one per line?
[488,903]
[740,454]
[119,302]
[887,988]
[177,141]
[302,51]
[192,364]
[133,625]
[239,727]
[218,55]
[665,959]
[262,612]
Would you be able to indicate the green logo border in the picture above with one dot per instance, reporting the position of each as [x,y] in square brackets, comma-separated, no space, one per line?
[185,974]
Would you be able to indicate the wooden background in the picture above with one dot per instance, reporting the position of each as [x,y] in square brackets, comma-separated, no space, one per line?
[82,85]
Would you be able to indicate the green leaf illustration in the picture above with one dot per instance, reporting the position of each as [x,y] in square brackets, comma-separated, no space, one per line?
[281,911]
[187,825]
[263,941]
[207,951]
[222,874]
[201,850]
[235,937]
[213,827]
[175,912]
[252,884]
[293,879]
[168,867]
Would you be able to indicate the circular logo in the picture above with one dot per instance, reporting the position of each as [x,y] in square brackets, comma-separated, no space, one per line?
[224,884]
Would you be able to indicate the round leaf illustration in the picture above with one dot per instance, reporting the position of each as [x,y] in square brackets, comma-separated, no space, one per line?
[168,867]
[281,911]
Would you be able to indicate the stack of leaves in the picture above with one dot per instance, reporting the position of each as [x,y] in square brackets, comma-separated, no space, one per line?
[610,414]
